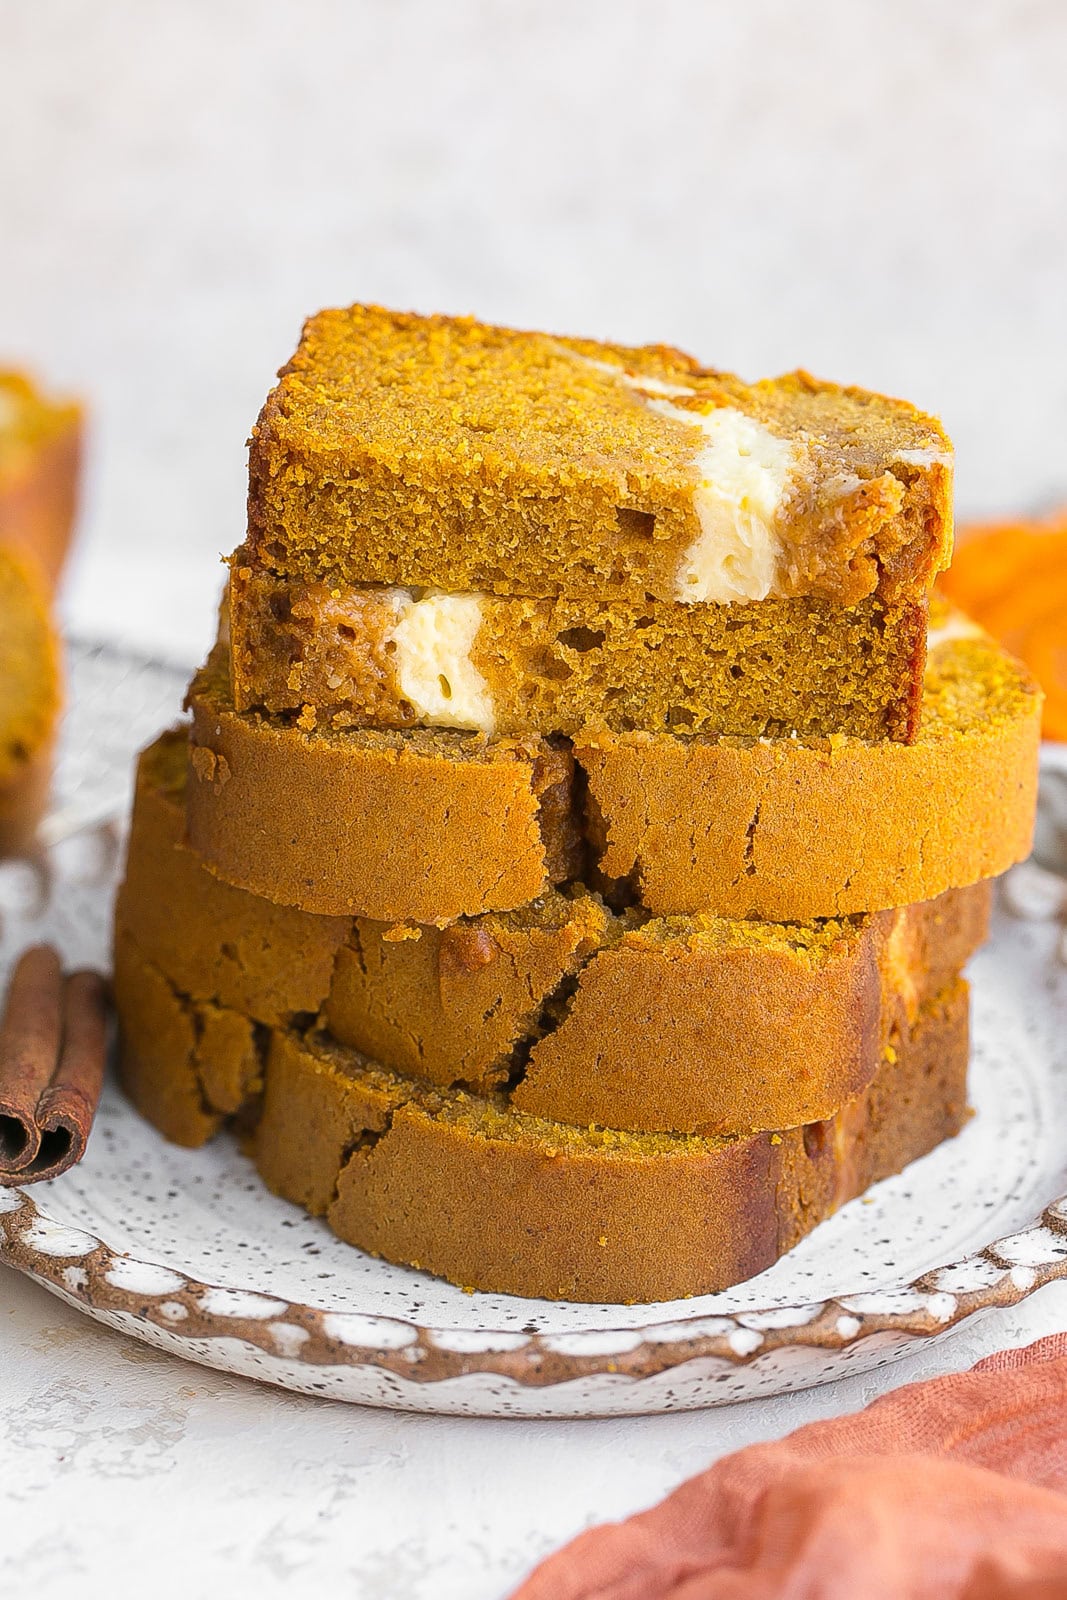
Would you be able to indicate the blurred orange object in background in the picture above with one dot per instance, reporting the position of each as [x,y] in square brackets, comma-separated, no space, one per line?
[1012,578]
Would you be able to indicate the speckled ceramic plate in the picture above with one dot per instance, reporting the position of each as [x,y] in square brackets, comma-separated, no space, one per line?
[187,1251]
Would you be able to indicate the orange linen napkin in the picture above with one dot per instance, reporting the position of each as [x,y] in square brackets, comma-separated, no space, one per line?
[952,1488]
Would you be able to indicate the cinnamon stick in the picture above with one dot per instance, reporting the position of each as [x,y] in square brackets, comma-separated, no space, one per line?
[53,1047]
[30,1036]
[67,1107]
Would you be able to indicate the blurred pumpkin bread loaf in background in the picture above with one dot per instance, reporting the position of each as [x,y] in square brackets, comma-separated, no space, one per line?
[40,444]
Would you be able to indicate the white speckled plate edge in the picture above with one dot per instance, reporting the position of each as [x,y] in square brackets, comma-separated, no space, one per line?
[684,1363]
[681,1363]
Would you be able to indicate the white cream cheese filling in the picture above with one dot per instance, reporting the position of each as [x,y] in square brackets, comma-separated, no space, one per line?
[634,380]
[432,641]
[925,457]
[744,473]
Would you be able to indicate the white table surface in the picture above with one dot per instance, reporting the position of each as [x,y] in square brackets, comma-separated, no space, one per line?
[872,190]
[123,1470]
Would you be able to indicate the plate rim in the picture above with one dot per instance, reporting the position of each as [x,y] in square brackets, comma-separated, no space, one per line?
[82,1267]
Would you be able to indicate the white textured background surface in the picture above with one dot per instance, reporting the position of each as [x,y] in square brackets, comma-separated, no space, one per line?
[123,1471]
[876,189]
[872,188]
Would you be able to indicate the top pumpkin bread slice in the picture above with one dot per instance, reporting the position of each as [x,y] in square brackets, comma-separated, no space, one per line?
[440,451]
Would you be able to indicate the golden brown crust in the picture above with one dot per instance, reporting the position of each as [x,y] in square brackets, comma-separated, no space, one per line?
[917,1098]
[440,451]
[693,824]
[743,1025]
[186,1065]
[472,1189]
[925,946]
[734,1036]
[558,665]
[458,1004]
[214,942]
[498,1201]
[737,1038]
[428,826]
[787,830]
[740,1025]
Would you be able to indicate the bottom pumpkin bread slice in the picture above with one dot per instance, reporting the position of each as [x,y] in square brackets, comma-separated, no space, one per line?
[466,1187]
[489,1198]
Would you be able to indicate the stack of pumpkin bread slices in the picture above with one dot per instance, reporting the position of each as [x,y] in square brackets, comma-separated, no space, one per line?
[564,882]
